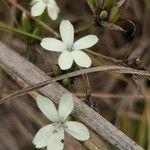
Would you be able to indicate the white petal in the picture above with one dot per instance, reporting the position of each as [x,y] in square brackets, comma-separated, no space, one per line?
[77,130]
[56,141]
[67,32]
[42,137]
[52,44]
[38,8]
[82,59]
[53,9]
[48,108]
[65,60]
[85,42]
[65,106]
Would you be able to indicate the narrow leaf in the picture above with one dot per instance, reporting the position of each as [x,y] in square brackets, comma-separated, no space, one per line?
[91,4]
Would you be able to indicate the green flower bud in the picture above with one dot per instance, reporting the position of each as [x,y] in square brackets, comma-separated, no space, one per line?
[115,14]
[66,82]
[103,15]
[56,71]
[26,25]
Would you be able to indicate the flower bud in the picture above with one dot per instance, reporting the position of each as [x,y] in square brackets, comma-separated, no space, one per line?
[26,25]
[103,15]
[56,71]
[66,82]
[115,14]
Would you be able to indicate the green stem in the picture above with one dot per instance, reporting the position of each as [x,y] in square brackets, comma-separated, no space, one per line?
[6,27]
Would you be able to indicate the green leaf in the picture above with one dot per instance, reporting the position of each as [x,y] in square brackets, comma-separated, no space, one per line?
[133,128]
[115,14]
[108,4]
[26,25]
[91,4]
[143,141]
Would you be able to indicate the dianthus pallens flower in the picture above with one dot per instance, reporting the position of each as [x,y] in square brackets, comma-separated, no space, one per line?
[52,135]
[70,50]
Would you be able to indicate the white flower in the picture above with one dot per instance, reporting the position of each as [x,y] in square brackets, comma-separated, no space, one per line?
[70,50]
[52,135]
[38,7]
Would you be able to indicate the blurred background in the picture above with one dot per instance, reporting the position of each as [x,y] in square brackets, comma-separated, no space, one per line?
[124,100]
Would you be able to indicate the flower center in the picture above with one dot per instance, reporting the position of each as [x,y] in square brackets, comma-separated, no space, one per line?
[58,126]
[70,48]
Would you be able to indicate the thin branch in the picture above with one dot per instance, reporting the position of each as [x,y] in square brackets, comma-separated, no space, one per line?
[118,69]
[114,96]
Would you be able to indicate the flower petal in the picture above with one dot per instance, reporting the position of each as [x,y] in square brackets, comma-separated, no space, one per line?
[85,42]
[81,58]
[67,33]
[65,106]
[65,60]
[56,141]
[48,108]
[52,44]
[42,137]
[38,8]
[53,9]
[77,130]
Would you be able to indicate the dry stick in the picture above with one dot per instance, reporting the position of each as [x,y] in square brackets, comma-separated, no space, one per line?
[33,75]
[118,69]
[114,96]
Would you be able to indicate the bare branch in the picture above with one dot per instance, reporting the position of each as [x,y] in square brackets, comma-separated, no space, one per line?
[118,69]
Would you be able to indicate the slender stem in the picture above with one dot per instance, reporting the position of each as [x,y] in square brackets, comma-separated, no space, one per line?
[114,96]
[119,69]
[103,56]
[83,28]
[6,27]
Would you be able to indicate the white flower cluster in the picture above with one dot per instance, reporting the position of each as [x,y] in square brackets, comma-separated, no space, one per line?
[52,135]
